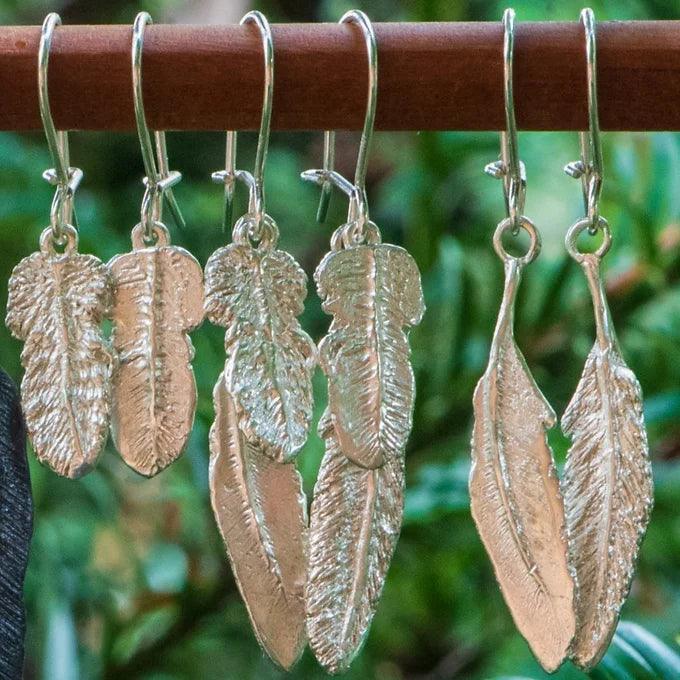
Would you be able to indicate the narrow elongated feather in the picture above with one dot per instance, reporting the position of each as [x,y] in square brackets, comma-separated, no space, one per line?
[56,304]
[374,293]
[16,527]
[355,523]
[261,512]
[515,496]
[257,296]
[157,300]
[607,483]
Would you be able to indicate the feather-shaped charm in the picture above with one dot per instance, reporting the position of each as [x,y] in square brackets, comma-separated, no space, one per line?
[261,512]
[607,482]
[16,527]
[56,304]
[514,492]
[373,292]
[355,523]
[257,293]
[157,300]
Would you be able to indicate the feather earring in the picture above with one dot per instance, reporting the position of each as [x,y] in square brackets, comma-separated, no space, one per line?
[57,300]
[263,404]
[16,527]
[608,488]
[514,490]
[157,299]
[374,293]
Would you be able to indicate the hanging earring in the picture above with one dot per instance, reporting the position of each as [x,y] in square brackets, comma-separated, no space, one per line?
[373,292]
[157,301]
[514,489]
[57,299]
[263,402]
[607,485]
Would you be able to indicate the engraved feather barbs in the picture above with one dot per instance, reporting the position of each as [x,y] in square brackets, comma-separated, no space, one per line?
[514,490]
[263,403]
[57,298]
[374,294]
[607,485]
[157,299]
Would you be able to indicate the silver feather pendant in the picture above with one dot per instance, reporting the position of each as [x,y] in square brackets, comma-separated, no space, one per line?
[514,489]
[157,300]
[607,485]
[56,304]
[374,293]
[263,405]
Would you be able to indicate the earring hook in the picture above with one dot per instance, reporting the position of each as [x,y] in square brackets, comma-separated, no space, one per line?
[62,175]
[229,175]
[589,169]
[509,167]
[159,178]
[328,177]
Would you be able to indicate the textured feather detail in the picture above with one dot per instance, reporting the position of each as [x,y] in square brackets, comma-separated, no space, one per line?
[56,304]
[157,300]
[374,293]
[261,512]
[515,495]
[257,295]
[355,523]
[607,483]
[16,527]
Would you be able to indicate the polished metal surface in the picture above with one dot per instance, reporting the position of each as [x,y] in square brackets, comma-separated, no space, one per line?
[56,304]
[607,485]
[157,298]
[514,489]
[261,512]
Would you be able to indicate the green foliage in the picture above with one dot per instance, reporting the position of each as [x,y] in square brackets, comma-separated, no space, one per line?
[128,577]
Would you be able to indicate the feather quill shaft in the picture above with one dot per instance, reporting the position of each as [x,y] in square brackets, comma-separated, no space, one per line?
[607,482]
[515,495]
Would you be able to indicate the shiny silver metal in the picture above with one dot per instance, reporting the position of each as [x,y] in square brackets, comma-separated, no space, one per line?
[254,181]
[607,484]
[589,169]
[65,178]
[328,177]
[159,179]
[510,168]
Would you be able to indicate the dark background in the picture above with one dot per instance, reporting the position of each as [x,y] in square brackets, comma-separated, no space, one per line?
[128,577]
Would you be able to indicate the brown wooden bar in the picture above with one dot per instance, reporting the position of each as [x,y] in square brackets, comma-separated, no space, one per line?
[432,76]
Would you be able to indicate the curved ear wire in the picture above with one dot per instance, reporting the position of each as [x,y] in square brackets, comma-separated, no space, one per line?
[328,177]
[229,175]
[64,177]
[159,178]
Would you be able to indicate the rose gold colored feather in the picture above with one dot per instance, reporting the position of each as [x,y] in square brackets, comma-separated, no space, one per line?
[261,512]
[607,482]
[157,300]
[515,496]
[56,304]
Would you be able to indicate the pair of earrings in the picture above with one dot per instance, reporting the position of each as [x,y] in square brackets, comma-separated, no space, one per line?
[75,384]
[563,553]
[319,579]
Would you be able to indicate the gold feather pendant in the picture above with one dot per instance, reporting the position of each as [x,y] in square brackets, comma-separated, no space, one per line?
[514,489]
[374,293]
[607,485]
[263,410]
[157,299]
[56,304]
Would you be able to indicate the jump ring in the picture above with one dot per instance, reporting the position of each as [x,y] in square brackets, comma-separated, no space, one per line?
[578,228]
[534,245]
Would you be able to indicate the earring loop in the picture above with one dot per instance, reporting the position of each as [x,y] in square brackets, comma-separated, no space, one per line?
[328,177]
[589,169]
[510,168]
[230,174]
[62,175]
[159,178]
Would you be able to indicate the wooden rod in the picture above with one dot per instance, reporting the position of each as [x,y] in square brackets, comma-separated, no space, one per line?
[432,76]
